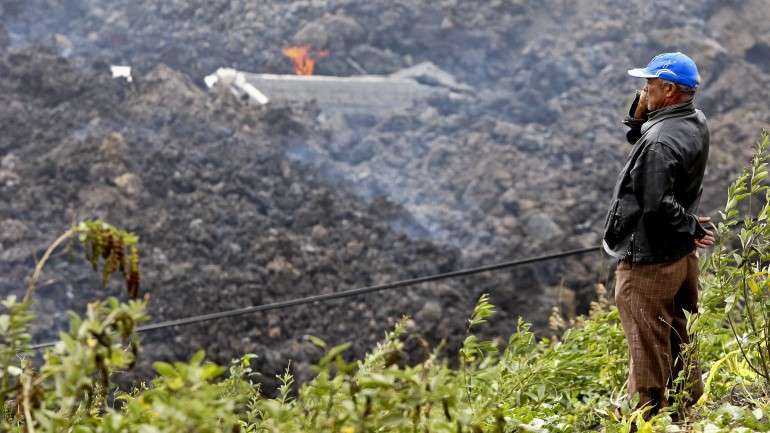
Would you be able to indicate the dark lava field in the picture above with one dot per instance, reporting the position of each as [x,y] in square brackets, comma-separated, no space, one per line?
[238,204]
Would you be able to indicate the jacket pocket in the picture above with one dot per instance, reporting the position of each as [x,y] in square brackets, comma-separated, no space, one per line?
[627,214]
[610,224]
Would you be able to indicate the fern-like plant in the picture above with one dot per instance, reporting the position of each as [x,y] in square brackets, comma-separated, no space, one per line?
[741,271]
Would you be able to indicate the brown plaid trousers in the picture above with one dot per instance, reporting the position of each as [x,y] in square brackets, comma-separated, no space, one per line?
[652,299]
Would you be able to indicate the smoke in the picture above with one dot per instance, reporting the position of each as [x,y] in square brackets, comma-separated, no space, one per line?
[368,189]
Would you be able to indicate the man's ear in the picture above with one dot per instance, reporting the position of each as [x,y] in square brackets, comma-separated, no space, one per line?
[672,91]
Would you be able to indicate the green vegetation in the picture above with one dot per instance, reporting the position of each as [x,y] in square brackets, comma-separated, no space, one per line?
[573,383]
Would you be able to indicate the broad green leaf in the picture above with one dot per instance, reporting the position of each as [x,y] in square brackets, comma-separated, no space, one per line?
[210,371]
[165,369]
[198,357]
[175,383]
[316,341]
[729,303]
[332,353]
[5,322]
[375,380]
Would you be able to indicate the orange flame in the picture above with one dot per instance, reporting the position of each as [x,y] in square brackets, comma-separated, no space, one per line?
[300,57]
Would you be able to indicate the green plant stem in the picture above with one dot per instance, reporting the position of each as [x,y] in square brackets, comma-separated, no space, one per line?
[766,330]
[740,346]
[749,304]
[39,267]
[26,385]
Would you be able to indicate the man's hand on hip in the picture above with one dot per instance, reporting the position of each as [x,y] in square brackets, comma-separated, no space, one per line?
[708,240]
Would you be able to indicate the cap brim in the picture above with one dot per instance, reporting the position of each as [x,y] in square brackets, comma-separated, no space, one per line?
[641,73]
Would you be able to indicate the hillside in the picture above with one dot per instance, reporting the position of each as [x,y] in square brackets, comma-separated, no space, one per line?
[230,213]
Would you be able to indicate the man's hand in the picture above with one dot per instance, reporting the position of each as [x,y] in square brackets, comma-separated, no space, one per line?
[708,240]
[641,106]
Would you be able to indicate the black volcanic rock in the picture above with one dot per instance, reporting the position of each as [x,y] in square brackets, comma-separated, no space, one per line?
[238,205]
[225,219]
[5,39]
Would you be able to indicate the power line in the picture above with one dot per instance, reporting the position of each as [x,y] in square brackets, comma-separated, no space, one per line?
[354,292]
[348,293]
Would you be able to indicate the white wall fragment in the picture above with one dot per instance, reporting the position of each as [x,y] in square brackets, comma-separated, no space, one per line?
[250,90]
[121,72]
[237,83]
[210,80]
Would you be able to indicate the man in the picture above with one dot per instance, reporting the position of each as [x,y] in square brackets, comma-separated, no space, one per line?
[653,230]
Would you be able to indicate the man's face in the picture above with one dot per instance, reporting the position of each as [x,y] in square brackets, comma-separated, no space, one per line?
[659,93]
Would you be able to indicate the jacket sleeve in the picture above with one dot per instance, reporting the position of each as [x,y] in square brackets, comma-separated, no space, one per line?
[653,178]
[633,123]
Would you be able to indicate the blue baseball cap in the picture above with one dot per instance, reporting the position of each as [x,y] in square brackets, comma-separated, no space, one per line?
[674,67]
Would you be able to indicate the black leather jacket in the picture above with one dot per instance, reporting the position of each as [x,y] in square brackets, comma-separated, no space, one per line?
[652,213]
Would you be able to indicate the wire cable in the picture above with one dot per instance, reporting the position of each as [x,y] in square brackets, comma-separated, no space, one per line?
[348,293]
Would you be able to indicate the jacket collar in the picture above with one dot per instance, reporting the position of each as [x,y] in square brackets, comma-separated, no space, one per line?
[676,110]
[684,107]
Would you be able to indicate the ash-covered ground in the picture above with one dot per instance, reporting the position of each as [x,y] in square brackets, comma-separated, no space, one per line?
[238,205]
